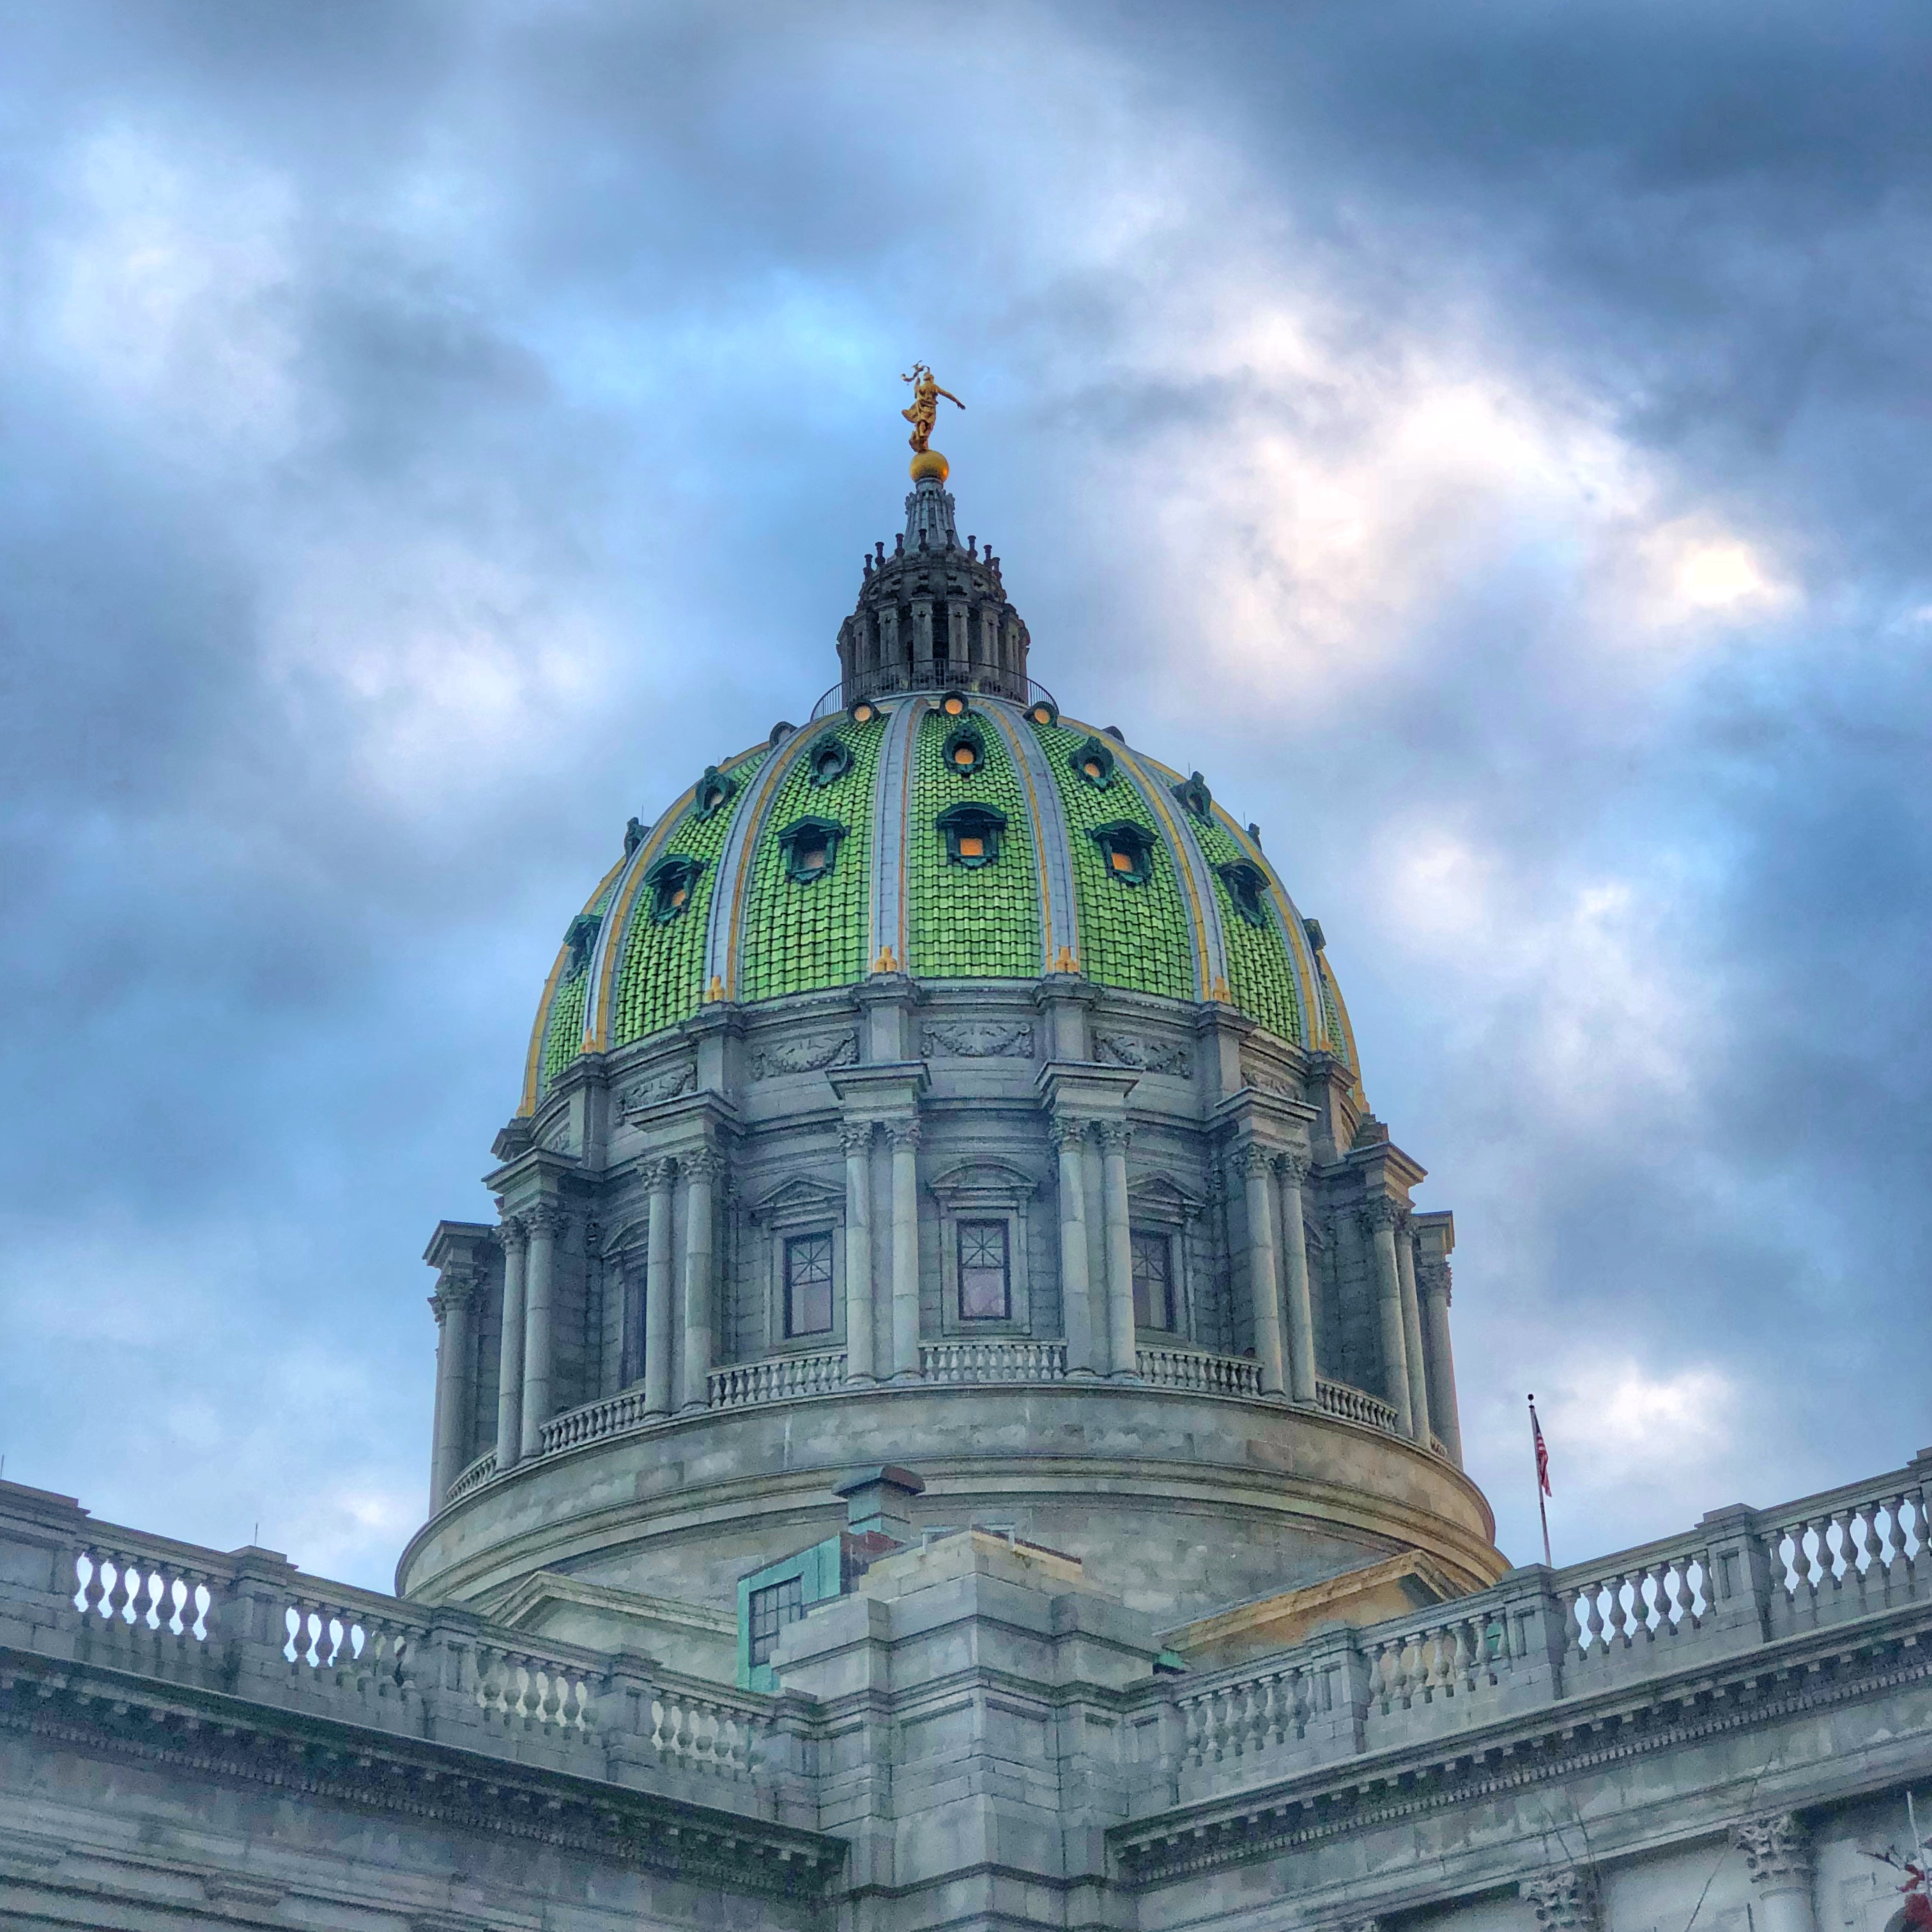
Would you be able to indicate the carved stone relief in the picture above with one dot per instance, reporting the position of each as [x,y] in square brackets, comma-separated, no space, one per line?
[977,1039]
[666,1083]
[1266,1079]
[1144,1056]
[809,1054]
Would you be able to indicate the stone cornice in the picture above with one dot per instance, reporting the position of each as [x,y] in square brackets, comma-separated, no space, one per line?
[88,1707]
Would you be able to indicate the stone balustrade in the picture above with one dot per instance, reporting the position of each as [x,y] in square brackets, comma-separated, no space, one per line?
[1354,1405]
[1008,1359]
[1193,1369]
[248,1623]
[1018,1359]
[778,1378]
[478,1473]
[1743,1579]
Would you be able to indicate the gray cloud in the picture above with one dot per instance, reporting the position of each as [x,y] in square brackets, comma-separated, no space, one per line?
[1490,445]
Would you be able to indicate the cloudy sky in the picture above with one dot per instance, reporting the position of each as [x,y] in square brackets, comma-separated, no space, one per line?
[1488,441]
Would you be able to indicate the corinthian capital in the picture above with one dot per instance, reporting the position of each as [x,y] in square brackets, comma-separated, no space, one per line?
[1253,1158]
[1114,1135]
[1293,1168]
[1379,1213]
[660,1175]
[455,1287]
[512,1237]
[1068,1131]
[903,1133]
[1777,1848]
[545,1218]
[855,1137]
[1432,1276]
[703,1163]
[1563,1900]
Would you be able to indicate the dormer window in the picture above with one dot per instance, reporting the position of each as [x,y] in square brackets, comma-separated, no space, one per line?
[954,704]
[863,710]
[972,833]
[1128,850]
[1195,797]
[714,792]
[811,849]
[1093,764]
[1245,886]
[1042,712]
[965,751]
[671,882]
[581,937]
[831,760]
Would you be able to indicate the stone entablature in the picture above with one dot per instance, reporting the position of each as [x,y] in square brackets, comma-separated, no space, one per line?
[1780,1668]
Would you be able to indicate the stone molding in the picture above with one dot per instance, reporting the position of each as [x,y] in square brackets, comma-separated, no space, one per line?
[977,1039]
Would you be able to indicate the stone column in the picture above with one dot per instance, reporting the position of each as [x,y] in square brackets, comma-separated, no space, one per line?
[1124,1362]
[700,1171]
[658,1290]
[904,1136]
[1076,1298]
[1378,1219]
[1778,1849]
[1563,1900]
[545,1222]
[510,1346]
[856,1139]
[1432,1277]
[1412,1333]
[1293,1168]
[1264,1283]
[454,1380]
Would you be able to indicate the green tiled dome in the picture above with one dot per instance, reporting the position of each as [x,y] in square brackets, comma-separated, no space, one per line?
[883,879]
[947,824]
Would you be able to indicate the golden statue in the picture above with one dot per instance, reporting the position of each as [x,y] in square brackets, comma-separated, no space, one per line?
[924,410]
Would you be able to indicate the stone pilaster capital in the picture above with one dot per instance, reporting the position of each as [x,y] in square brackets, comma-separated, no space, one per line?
[512,1237]
[1778,1849]
[1563,1900]
[1293,1168]
[546,1218]
[855,1138]
[1069,1132]
[1379,1213]
[903,1133]
[1432,1276]
[1114,1135]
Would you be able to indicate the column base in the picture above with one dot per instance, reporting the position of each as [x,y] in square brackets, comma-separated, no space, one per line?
[1125,1375]
[861,1381]
[693,1408]
[905,1378]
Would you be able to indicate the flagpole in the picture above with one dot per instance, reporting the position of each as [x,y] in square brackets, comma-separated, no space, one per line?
[1536,1463]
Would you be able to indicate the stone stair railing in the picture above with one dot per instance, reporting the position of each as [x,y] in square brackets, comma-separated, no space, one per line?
[249,1623]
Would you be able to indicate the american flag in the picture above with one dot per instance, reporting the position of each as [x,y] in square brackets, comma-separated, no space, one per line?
[1542,1451]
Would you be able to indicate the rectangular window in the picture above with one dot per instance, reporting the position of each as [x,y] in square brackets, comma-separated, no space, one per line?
[771,1609]
[807,1285]
[985,1284]
[1153,1280]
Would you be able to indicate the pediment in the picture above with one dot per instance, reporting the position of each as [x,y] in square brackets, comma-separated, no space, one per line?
[804,1194]
[985,1180]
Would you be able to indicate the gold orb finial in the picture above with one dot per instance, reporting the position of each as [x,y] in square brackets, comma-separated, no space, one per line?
[930,463]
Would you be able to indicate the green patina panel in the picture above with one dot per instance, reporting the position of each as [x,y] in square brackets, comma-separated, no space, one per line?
[1260,973]
[662,980]
[796,938]
[966,922]
[1338,1034]
[1139,936]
